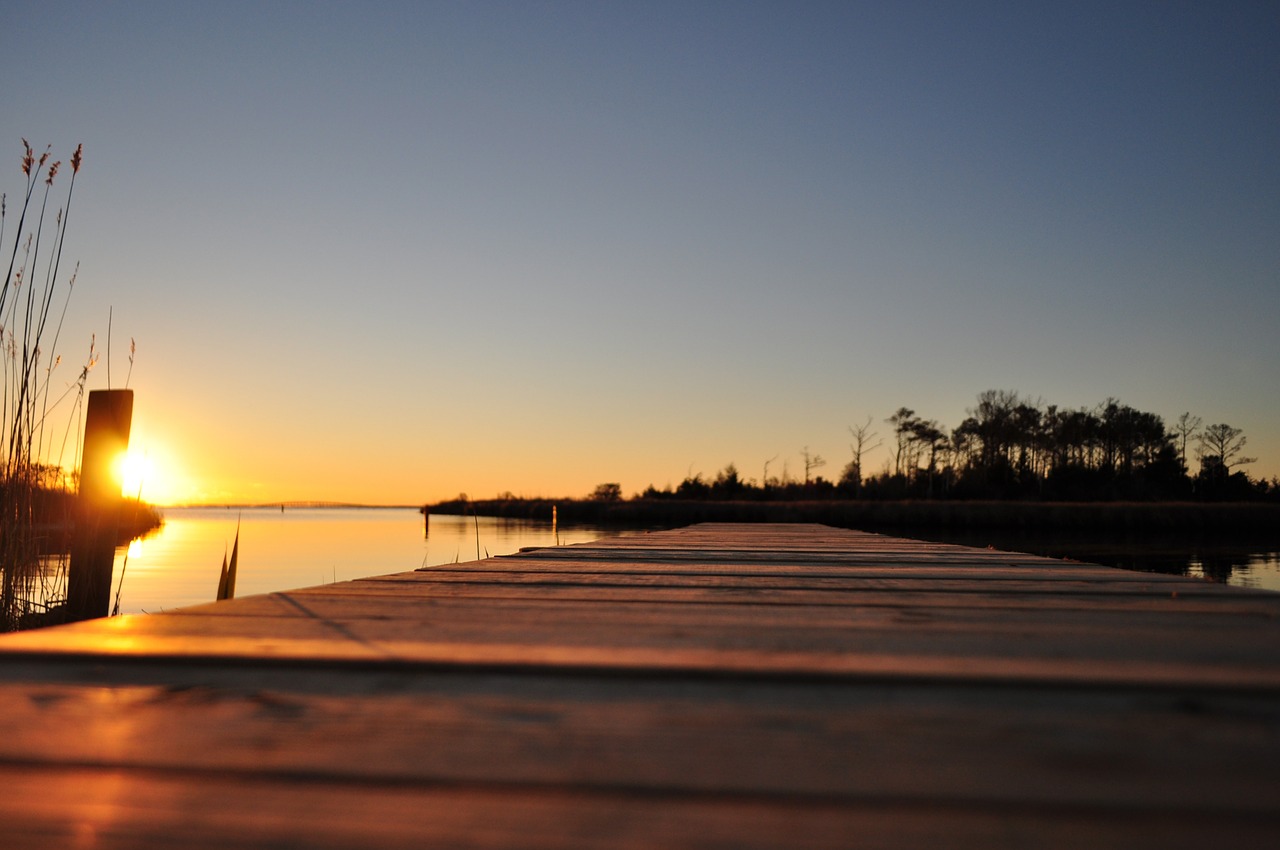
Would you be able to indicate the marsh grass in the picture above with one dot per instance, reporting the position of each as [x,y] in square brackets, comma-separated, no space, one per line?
[37,503]
[227,581]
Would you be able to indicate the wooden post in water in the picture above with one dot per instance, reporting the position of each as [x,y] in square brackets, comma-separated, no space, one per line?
[106,438]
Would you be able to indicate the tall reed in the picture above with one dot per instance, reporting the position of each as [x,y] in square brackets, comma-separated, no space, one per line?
[35,486]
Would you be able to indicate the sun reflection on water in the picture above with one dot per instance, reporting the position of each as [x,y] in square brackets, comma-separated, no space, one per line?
[304,547]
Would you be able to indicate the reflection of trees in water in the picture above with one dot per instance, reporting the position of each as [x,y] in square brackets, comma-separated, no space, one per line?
[34,590]
[1244,567]
[39,593]
[1219,567]
[1156,561]
[1216,560]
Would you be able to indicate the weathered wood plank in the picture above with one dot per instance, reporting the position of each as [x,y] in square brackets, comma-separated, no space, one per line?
[956,663]
[770,591]
[113,809]
[907,742]
[941,554]
[741,568]
[868,570]
[337,614]
[651,622]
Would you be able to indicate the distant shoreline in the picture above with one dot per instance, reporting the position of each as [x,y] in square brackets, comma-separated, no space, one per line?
[275,506]
[1171,517]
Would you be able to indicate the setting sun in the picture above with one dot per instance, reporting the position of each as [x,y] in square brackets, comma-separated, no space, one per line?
[136,473]
[155,475]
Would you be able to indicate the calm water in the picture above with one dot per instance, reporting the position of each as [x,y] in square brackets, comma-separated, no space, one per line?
[179,565]
[1238,560]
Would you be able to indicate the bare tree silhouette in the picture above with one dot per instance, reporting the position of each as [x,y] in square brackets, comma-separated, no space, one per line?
[812,461]
[862,437]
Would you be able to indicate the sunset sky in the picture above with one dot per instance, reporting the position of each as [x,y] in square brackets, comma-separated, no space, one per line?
[390,252]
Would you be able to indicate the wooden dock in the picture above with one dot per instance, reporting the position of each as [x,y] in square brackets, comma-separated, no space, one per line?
[719,686]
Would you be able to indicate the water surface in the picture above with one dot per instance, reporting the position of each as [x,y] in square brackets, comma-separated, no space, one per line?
[1236,559]
[302,547]
[179,565]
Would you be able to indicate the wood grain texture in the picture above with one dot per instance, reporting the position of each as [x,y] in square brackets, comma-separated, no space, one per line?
[715,686]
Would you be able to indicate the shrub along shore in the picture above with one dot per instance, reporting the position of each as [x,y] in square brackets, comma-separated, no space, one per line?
[1175,517]
[54,513]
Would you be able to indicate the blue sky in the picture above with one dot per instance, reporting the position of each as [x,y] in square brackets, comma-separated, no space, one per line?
[394,251]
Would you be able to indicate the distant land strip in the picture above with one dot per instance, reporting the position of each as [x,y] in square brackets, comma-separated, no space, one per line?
[1177,517]
[255,506]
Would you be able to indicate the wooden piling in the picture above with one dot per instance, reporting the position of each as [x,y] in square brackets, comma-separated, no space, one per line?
[108,419]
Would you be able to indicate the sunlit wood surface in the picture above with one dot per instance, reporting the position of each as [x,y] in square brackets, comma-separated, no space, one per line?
[717,686]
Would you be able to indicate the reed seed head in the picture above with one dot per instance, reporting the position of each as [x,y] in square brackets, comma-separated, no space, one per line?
[27,159]
[76,158]
[53,172]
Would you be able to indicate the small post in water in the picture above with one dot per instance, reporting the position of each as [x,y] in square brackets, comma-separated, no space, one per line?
[106,439]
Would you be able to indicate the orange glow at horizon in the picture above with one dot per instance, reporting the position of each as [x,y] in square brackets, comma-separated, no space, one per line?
[155,475]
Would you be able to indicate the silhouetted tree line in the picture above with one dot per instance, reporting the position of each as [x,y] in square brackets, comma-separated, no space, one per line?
[1011,447]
